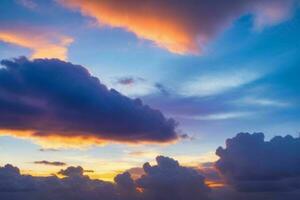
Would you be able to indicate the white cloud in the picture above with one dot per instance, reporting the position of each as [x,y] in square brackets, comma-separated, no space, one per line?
[263,102]
[217,116]
[212,84]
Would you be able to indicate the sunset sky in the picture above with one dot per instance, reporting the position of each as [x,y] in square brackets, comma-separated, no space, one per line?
[109,85]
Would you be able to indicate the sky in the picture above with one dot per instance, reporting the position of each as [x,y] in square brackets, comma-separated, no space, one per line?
[110,85]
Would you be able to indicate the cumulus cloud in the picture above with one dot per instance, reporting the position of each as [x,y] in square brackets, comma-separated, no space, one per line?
[181,26]
[51,99]
[43,44]
[52,163]
[272,176]
[251,164]
[165,181]
[168,180]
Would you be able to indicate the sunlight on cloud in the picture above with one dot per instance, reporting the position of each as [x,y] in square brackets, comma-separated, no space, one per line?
[213,84]
[42,45]
[181,27]
[165,33]
[54,141]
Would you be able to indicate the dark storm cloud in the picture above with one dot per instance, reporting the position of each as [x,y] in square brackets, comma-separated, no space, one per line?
[56,98]
[53,163]
[251,164]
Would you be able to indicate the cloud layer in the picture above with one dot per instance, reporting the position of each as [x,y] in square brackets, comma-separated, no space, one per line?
[165,181]
[256,169]
[52,99]
[181,26]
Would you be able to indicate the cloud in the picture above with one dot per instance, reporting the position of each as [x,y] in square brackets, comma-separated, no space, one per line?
[163,90]
[52,163]
[126,186]
[262,102]
[48,149]
[72,171]
[73,186]
[42,44]
[217,116]
[217,83]
[129,80]
[181,26]
[169,180]
[274,13]
[56,101]
[251,164]
[136,86]
[165,181]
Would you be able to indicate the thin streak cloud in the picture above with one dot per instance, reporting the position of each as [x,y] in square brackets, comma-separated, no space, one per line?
[217,83]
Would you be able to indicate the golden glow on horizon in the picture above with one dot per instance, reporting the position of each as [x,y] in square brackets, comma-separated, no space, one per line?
[105,176]
[43,45]
[168,33]
[195,161]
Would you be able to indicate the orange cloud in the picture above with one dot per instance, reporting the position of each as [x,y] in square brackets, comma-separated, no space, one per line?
[179,26]
[145,22]
[54,141]
[43,45]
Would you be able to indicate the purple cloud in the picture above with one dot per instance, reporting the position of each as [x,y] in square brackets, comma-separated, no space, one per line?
[251,164]
[54,99]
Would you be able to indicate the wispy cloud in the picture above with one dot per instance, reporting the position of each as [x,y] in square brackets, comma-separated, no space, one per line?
[48,149]
[216,83]
[52,163]
[217,116]
[262,102]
